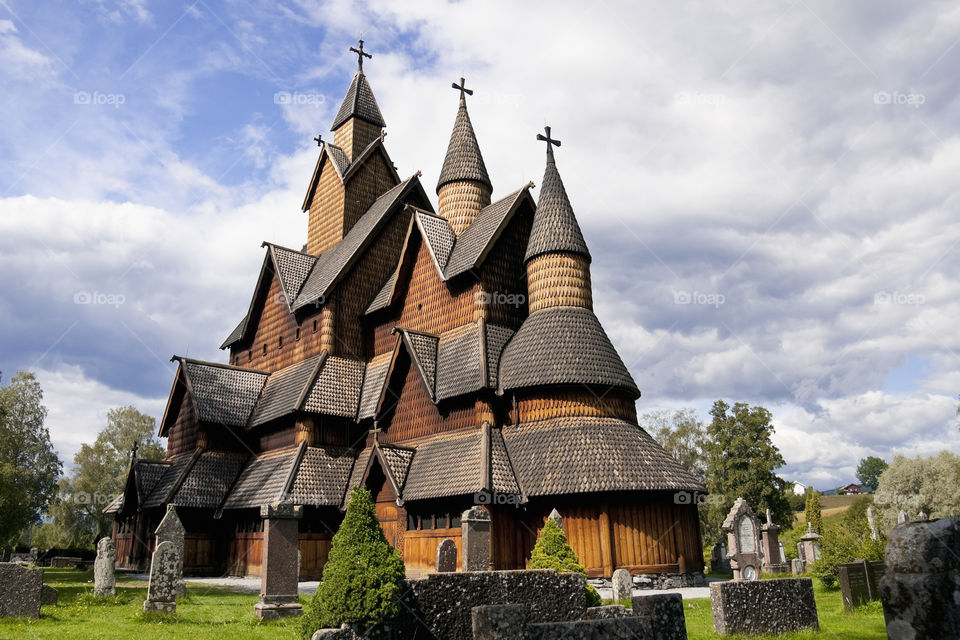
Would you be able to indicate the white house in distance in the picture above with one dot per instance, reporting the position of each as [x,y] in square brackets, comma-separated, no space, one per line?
[799,488]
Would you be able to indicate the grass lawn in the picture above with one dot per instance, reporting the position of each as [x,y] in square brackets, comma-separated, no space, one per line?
[216,613]
[208,613]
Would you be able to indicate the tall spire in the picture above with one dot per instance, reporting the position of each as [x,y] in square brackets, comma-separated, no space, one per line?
[359,101]
[555,228]
[463,160]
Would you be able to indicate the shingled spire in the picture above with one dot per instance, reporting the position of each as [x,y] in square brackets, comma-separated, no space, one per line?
[558,262]
[464,187]
[555,227]
[359,121]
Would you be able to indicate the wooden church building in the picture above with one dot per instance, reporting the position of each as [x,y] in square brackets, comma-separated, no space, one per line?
[442,356]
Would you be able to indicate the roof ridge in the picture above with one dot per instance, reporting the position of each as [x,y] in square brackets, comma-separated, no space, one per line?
[267,243]
[222,365]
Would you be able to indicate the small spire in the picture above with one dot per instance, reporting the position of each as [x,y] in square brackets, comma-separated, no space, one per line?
[463,160]
[361,54]
[555,228]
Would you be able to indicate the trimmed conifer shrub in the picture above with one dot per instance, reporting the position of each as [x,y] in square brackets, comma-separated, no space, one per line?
[553,551]
[363,576]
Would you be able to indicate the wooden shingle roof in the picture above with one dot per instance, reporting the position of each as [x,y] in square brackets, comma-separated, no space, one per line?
[321,478]
[359,103]
[463,160]
[563,346]
[555,227]
[264,480]
[591,454]
[209,479]
[222,394]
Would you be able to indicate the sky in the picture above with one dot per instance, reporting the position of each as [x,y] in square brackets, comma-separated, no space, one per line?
[768,189]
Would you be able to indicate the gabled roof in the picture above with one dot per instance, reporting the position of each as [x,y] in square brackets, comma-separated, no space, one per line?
[468,357]
[473,245]
[285,390]
[393,460]
[344,167]
[264,480]
[563,346]
[170,481]
[291,267]
[439,236]
[209,479]
[336,389]
[334,264]
[359,103]
[221,393]
[321,478]
[463,160]
[591,454]
[422,348]
[374,380]
[555,227]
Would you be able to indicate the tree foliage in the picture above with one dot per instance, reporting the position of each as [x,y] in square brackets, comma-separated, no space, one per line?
[869,470]
[99,475]
[931,485]
[29,466]
[683,435]
[845,540]
[814,512]
[362,578]
[553,551]
[741,462]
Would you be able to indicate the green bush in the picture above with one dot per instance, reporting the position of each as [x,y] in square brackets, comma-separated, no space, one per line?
[845,541]
[552,551]
[814,514]
[362,578]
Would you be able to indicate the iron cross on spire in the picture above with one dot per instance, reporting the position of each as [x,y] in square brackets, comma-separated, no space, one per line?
[551,143]
[319,140]
[361,54]
[463,88]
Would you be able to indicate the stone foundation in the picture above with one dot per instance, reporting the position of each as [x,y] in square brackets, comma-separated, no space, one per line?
[657,581]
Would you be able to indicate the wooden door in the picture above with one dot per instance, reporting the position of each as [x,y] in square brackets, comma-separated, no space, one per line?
[389,516]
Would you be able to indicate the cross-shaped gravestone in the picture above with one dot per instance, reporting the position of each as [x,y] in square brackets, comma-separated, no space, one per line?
[361,54]
[462,88]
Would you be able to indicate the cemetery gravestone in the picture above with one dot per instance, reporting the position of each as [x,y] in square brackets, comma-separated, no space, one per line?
[763,606]
[446,556]
[165,577]
[774,561]
[171,530]
[859,582]
[743,540]
[20,591]
[664,611]
[622,585]
[719,563]
[104,578]
[872,521]
[475,524]
[48,595]
[796,566]
[811,545]
[278,574]
[920,588]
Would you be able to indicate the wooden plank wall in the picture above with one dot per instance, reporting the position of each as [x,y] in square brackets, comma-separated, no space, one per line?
[314,551]
[244,552]
[420,548]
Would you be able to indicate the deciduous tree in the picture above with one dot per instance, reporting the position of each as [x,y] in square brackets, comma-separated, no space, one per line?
[869,470]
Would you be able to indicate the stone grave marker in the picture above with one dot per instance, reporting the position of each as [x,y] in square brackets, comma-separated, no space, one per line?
[763,606]
[859,582]
[165,577]
[719,562]
[773,558]
[811,545]
[171,530]
[20,591]
[622,585]
[664,611]
[796,566]
[743,540]
[475,524]
[278,573]
[48,595]
[104,579]
[919,588]
[446,556]
[872,521]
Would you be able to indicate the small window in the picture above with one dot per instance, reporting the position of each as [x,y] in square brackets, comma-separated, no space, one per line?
[264,348]
[298,333]
[314,326]
[411,522]
[455,521]
[426,523]
[250,355]
[280,342]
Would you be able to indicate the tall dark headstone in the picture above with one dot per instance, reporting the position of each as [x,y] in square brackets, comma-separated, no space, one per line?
[20,591]
[773,558]
[104,578]
[278,568]
[171,530]
[475,524]
[446,556]
[859,582]
[920,588]
[165,577]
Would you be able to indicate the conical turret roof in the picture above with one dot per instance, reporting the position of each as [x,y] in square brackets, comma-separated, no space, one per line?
[555,227]
[464,160]
[359,103]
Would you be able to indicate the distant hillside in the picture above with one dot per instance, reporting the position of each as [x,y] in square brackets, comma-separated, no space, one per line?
[831,506]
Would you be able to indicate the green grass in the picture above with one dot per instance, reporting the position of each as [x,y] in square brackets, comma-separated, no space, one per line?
[212,613]
[209,613]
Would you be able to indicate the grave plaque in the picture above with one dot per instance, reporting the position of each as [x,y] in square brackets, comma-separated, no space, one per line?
[747,536]
[859,583]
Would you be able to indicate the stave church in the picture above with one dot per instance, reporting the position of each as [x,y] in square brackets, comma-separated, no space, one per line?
[442,355]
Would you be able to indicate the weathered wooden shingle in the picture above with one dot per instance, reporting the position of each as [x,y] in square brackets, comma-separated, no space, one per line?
[159,496]
[373,381]
[223,394]
[209,479]
[448,465]
[459,367]
[438,235]
[563,346]
[262,481]
[473,244]
[359,103]
[463,160]
[283,390]
[555,227]
[423,349]
[356,474]
[336,390]
[321,478]
[584,455]
[292,268]
[398,462]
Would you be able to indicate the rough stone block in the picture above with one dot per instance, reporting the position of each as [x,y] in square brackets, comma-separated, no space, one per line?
[48,595]
[622,585]
[104,577]
[607,611]
[499,621]
[763,606]
[664,611]
[475,527]
[446,556]
[628,628]
[20,591]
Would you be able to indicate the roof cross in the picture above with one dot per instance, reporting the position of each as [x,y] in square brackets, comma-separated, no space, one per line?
[319,140]
[361,54]
[463,88]
[551,143]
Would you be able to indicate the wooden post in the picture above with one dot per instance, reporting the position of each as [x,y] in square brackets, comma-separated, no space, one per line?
[606,543]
